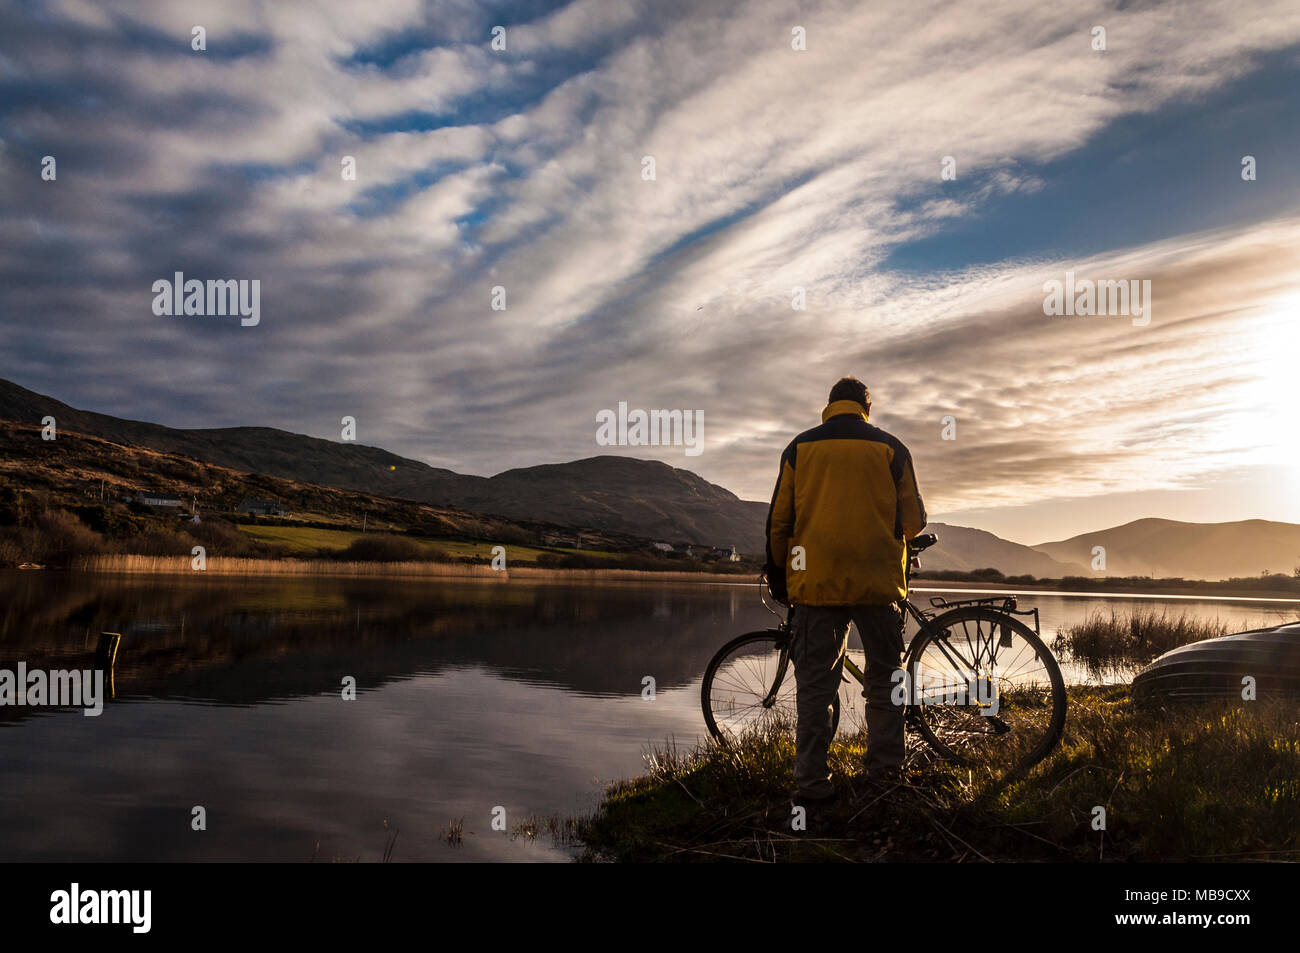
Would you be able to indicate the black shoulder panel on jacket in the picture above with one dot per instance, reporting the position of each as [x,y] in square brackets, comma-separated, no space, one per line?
[901,455]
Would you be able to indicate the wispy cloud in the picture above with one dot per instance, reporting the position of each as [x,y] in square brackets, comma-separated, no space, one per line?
[523,168]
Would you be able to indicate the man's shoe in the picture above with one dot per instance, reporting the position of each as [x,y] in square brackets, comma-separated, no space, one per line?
[883,775]
[808,800]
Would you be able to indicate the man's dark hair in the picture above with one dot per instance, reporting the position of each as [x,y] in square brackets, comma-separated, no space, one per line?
[850,388]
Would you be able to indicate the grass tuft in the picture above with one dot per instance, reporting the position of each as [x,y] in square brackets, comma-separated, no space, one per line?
[1109,643]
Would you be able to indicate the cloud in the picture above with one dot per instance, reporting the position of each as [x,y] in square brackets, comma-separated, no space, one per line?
[523,169]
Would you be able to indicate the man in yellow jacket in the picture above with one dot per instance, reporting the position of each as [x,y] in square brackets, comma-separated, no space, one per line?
[845,503]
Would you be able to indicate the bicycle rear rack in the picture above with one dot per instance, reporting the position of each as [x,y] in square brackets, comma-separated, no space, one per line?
[1002,602]
[1007,604]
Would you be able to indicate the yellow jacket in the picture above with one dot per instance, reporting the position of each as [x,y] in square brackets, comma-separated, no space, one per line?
[845,501]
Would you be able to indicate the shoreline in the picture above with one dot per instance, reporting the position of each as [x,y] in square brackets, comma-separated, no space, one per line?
[241,566]
[1177,592]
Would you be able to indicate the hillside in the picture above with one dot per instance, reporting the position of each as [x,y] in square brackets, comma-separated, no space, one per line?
[91,476]
[965,549]
[1160,547]
[646,499]
[622,495]
[265,450]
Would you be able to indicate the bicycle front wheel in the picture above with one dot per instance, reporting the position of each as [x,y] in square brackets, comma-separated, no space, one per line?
[985,688]
[749,686]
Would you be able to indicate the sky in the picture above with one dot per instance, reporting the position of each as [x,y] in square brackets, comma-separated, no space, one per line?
[922,171]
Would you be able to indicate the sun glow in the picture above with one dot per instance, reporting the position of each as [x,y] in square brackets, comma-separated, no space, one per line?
[1268,425]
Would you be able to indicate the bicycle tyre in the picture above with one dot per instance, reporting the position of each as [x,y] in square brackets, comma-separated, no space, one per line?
[731,693]
[957,733]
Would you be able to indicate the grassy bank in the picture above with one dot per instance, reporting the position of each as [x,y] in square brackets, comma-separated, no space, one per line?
[1218,782]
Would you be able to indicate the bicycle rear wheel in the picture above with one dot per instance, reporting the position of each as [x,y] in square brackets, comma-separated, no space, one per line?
[985,690]
[737,691]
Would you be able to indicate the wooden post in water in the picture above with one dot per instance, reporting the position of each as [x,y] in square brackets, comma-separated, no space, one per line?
[106,658]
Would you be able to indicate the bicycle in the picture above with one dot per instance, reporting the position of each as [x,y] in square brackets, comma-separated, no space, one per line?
[992,697]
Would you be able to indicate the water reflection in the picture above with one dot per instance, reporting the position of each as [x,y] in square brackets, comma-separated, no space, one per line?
[471,696]
[249,642]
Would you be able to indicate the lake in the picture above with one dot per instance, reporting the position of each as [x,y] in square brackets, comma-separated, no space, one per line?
[471,697]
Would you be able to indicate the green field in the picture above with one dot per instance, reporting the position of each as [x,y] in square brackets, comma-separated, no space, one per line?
[308,541]
[302,540]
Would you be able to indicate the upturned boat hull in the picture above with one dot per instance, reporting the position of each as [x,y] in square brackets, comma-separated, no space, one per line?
[1220,668]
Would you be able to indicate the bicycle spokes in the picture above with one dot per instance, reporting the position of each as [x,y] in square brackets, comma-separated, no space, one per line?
[985,688]
[752,688]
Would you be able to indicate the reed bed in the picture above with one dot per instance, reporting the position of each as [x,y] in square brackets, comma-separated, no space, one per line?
[1107,641]
[240,566]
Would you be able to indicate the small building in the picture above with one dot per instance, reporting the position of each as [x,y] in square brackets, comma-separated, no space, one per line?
[158,500]
[663,547]
[256,507]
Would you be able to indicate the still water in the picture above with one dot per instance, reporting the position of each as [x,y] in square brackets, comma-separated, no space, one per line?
[471,697]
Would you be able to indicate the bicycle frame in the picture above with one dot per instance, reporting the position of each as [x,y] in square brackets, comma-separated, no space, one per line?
[1005,604]
[956,649]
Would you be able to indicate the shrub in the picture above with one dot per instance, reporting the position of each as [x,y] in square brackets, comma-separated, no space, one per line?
[60,537]
[221,538]
[11,505]
[161,542]
[383,548]
[108,519]
[13,552]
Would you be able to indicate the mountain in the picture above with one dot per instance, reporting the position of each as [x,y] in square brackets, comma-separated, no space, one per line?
[643,498]
[81,472]
[619,493]
[649,499]
[966,549]
[267,450]
[1160,547]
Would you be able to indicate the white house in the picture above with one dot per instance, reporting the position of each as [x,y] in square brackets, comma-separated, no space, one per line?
[153,499]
